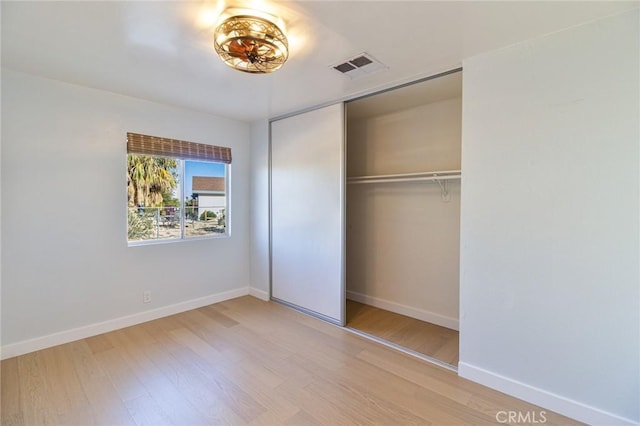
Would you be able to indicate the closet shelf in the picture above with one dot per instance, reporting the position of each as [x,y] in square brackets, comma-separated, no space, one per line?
[407,177]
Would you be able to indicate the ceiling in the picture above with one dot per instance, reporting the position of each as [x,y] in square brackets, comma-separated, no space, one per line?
[162,51]
[435,89]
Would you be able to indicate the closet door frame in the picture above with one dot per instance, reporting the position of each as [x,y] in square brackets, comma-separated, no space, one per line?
[342,102]
[341,320]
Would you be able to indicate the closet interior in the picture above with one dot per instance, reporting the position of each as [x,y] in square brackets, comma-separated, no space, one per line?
[403,216]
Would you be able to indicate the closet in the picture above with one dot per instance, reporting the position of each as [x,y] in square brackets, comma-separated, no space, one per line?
[365,214]
[403,215]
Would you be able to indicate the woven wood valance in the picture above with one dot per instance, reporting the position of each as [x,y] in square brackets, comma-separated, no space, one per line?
[157,146]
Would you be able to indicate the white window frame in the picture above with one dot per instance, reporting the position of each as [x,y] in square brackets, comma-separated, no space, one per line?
[183,237]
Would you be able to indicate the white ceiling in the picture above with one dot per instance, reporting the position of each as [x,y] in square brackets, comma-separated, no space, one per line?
[162,51]
[435,89]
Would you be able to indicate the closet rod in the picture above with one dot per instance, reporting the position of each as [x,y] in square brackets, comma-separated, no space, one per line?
[409,177]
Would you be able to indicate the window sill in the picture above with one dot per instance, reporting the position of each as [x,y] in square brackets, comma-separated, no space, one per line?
[175,240]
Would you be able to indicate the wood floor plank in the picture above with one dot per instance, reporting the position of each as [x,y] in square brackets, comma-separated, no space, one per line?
[233,344]
[432,340]
[146,412]
[356,401]
[227,392]
[298,419]
[189,339]
[84,362]
[38,408]
[11,413]
[254,379]
[158,386]
[436,384]
[78,416]
[243,361]
[404,393]
[68,395]
[121,375]
[190,383]
[316,409]
[447,352]
[98,344]
[217,316]
[106,407]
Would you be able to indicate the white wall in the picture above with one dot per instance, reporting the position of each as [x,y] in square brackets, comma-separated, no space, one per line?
[550,221]
[260,209]
[403,240]
[65,258]
[422,138]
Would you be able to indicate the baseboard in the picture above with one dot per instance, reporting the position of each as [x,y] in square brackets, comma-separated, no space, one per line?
[548,400]
[409,311]
[31,345]
[260,294]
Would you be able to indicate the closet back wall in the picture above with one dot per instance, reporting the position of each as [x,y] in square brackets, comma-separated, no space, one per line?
[402,238]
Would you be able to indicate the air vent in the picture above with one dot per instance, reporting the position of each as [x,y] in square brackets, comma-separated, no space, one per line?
[359,66]
[361,61]
[346,67]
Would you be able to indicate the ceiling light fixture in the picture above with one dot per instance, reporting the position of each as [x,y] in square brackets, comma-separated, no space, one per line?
[253,44]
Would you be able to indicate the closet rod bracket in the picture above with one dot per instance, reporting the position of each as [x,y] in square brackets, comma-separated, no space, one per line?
[444,189]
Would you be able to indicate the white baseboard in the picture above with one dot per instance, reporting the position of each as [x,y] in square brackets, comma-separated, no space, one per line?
[542,398]
[31,345]
[260,294]
[409,311]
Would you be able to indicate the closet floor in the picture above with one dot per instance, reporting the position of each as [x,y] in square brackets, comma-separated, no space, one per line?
[428,339]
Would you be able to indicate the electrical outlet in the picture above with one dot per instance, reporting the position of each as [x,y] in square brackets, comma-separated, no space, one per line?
[146,297]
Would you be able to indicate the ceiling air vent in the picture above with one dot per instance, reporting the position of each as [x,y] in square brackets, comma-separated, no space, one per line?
[359,66]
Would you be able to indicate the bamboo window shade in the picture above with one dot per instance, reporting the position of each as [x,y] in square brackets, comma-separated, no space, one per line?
[164,147]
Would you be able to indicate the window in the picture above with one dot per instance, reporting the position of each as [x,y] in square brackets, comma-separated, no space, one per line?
[176,189]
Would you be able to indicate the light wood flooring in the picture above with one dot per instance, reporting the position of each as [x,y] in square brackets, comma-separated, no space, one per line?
[243,361]
[432,340]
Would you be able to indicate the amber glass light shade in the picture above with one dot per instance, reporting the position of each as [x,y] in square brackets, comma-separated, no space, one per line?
[251,44]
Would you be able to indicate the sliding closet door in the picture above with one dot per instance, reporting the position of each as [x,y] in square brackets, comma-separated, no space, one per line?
[307,212]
